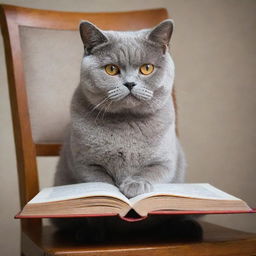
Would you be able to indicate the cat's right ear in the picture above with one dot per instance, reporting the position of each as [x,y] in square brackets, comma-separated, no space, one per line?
[91,36]
[161,34]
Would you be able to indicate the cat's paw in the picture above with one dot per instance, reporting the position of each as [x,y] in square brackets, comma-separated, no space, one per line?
[133,186]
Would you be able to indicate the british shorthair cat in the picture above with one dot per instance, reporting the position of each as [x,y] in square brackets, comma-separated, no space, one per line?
[122,128]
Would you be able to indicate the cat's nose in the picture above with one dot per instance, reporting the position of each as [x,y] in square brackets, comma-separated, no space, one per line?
[129,85]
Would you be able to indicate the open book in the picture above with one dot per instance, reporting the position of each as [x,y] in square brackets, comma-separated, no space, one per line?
[102,199]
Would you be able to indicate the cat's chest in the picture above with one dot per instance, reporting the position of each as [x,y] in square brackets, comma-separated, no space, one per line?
[123,143]
[130,136]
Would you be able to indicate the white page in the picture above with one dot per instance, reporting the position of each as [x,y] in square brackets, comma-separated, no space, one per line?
[190,190]
[80,190]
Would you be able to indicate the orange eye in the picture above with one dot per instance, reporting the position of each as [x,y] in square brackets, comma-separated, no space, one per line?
[112,69]
[146,69]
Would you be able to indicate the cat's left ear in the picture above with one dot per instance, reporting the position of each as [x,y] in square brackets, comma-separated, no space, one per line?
[162,33]
[91,35]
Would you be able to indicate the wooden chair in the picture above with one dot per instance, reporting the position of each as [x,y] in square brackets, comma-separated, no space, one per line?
[34,137]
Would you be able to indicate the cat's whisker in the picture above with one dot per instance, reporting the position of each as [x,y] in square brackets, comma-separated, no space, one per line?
[113,97]
[144,90]
[117,94]
[142,93]
[92,108]
[113,92]
[101,110]
[107,108]
[147,94]
[100,103]
[143,96]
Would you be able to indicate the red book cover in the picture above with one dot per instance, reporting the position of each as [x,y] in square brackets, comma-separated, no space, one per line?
[133,219]
[178,195]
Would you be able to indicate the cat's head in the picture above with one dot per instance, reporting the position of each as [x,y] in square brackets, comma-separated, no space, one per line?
[127,71]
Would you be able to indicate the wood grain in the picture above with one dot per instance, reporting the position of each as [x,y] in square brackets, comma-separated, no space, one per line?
[131,20]
[25,148]
[217,241]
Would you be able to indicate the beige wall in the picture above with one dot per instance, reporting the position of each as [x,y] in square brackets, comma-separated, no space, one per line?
[215,54]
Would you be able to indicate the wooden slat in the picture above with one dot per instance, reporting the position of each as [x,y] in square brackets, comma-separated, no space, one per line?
[48,149]
[70,20]
[25,149]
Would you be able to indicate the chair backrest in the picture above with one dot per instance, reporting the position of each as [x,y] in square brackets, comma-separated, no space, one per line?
[40,94]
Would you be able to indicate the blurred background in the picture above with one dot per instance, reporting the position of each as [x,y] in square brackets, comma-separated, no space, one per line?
[214,48]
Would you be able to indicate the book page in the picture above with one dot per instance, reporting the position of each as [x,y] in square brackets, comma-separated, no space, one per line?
[80,190]
[189,190]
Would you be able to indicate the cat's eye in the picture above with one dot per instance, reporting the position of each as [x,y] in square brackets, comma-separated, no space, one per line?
[146,69]
[112,69]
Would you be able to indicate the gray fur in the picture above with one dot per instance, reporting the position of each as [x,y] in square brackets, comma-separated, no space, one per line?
[118,136]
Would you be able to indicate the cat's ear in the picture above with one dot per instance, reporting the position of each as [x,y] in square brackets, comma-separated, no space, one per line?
[91,35]
[162,33]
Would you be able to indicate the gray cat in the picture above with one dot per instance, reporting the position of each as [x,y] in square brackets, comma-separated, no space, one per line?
[122,127]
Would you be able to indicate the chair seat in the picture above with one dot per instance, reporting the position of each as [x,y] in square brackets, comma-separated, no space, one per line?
[217,240]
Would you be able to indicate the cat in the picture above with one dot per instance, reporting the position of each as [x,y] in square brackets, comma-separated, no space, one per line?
[122,128]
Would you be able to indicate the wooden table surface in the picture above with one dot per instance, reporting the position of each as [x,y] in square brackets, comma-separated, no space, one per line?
[216,241]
